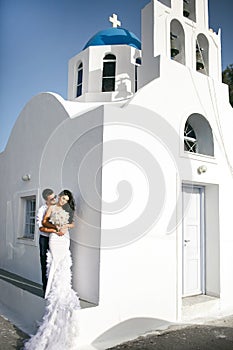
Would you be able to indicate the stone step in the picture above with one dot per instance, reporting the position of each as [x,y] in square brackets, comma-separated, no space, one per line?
[199,306]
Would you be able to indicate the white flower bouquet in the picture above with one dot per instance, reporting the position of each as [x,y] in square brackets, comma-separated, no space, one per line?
[59,217]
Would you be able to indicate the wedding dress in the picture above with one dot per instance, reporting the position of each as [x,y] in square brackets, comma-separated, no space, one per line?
[59,327]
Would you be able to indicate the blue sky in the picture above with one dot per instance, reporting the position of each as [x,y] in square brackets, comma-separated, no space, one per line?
[38,37]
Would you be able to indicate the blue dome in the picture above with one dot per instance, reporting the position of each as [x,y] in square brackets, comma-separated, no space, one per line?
[114,36]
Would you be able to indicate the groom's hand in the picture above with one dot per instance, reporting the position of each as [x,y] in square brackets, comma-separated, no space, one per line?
[60,233]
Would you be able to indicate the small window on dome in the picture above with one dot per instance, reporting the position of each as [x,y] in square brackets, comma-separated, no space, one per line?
[79,80]
[138,62]
[109,72]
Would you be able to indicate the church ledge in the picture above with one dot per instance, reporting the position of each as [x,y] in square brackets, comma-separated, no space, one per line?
[32,287]
[76,108]
[21,282]
[104,97]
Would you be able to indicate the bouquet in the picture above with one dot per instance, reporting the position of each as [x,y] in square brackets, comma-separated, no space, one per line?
[59,218]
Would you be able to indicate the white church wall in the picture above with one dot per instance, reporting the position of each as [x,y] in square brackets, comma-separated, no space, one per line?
[210,99]
[147,32]
[85,155]
[31,131]
[212,241]
[141,282]
[80,158]
[215,62]
[226,240]
[202,13]
[54,149]
[125,163]
[138,258]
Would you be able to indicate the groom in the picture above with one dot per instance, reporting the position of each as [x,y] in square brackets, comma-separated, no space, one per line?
[50,199]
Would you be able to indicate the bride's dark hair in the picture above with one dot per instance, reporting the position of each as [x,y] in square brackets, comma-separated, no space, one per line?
[70,205]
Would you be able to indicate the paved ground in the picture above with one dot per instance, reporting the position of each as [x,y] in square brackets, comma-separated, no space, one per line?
[10,336]
[214,335]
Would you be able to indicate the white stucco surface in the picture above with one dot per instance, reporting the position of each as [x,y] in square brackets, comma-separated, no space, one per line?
[122,155]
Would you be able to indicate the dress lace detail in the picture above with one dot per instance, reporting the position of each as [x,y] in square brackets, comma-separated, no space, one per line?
[59,327]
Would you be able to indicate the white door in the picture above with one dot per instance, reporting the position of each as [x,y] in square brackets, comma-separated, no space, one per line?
[193,240]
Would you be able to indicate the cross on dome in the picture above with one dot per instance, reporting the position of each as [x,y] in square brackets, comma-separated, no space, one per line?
[115,22]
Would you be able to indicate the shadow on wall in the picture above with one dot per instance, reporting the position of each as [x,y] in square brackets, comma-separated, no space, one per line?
[123,86]
[128,329]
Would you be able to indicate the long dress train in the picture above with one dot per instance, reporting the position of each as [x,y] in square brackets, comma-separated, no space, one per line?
[59,327]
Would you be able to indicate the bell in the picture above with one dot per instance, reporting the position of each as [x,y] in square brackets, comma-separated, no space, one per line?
[186,11]
[174,49]
[199,60]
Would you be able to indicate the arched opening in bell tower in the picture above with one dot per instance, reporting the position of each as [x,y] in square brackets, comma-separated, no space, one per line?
[202,54]
[177,42]
[189,9]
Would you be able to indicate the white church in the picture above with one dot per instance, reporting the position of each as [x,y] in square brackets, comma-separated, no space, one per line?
[144,141]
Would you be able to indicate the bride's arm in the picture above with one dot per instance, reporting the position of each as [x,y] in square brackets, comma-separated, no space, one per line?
[46,223]
[48,226]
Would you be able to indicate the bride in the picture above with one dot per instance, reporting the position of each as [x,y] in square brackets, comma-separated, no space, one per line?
[58,330]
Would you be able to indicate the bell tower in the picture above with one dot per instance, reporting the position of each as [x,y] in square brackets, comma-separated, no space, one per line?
[178,30]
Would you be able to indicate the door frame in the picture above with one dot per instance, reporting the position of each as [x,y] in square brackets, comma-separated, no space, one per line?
[201,190]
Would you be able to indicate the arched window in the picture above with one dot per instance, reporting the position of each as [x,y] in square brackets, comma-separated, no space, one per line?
[109,71]
[177,42]
[138,62]
[79,80]
[189,9]
[202,54]
[198,136]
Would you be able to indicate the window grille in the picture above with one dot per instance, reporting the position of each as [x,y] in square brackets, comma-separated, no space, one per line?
[190,140]
[29,215]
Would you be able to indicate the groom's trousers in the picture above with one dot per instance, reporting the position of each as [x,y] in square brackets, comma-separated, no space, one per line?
[44,246]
